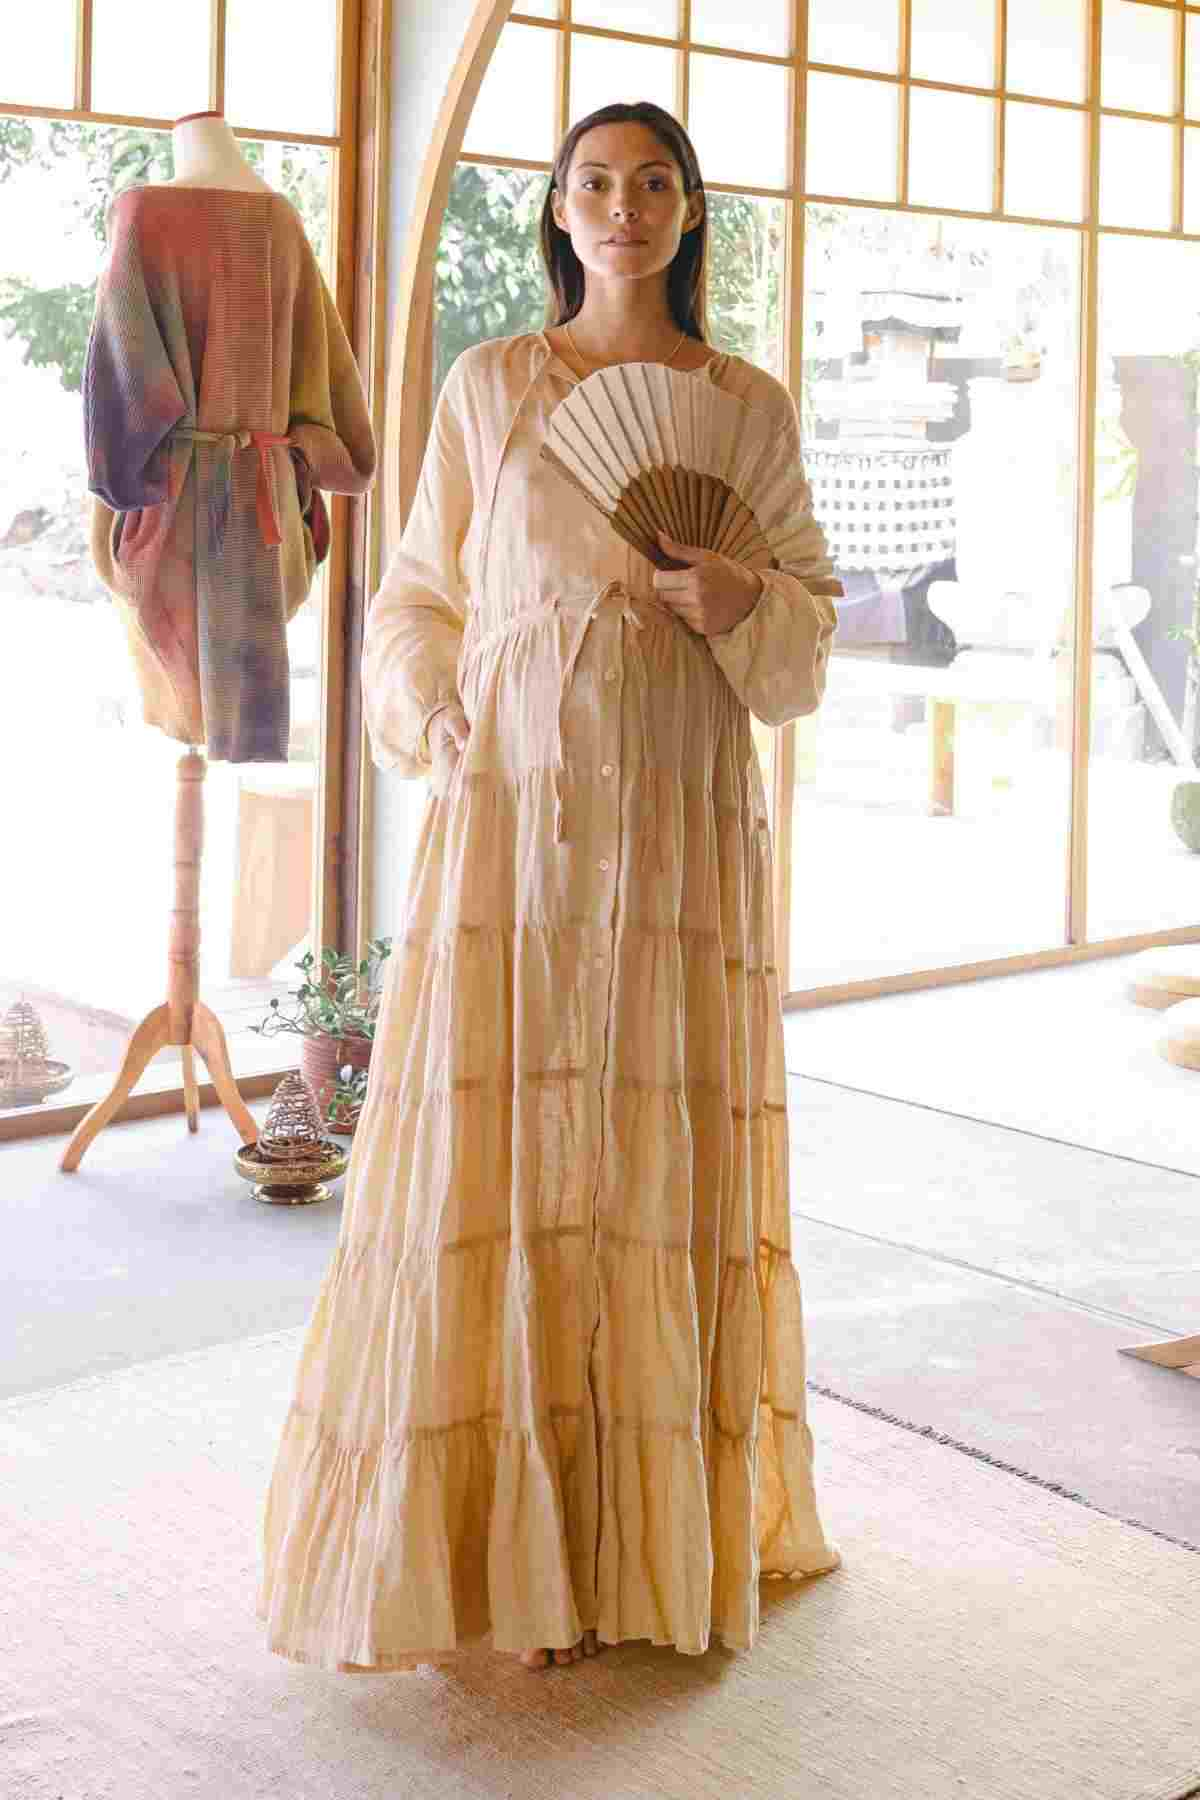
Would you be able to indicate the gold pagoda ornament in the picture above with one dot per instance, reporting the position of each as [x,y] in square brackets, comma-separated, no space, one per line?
[291,1159]
[28,1073]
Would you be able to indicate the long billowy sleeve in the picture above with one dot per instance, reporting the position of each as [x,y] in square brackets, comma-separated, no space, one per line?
[415,624]
[131,396]
[329,419]
[775,659]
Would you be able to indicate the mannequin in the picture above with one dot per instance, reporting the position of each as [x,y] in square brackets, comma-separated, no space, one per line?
[220,397]
[206,155]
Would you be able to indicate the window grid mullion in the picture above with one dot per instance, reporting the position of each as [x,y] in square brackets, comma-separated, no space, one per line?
[1178,169]
[683,66]
[564,76]
[1000,119]
[904,97]
[83,55]
[218,27]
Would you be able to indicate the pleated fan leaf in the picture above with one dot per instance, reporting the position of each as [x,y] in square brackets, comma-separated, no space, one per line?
[652,448]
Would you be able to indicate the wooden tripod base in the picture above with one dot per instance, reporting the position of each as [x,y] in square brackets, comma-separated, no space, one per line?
[184,1019]
[151,1036]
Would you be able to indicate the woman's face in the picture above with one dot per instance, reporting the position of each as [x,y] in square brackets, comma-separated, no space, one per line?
[624,205]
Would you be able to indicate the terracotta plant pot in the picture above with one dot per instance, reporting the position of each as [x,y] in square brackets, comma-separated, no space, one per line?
[320,1059]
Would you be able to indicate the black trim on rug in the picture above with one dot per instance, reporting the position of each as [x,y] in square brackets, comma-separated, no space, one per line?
[1052,1487]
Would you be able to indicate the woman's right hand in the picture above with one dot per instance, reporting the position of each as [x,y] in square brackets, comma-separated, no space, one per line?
[449,731]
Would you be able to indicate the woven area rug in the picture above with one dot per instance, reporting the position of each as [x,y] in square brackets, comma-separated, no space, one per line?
[986,1638]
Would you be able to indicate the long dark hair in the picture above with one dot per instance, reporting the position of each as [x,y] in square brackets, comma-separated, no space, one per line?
[685,277]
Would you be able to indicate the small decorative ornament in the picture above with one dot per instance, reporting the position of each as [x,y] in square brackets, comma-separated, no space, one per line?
[28,1073]
[293,1126]
[291,1159]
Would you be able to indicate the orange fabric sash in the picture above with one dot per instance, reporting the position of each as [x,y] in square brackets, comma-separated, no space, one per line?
[262,441]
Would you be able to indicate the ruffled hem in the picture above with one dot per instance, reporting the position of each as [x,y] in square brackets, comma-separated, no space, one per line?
[527,1513]
[383,1558]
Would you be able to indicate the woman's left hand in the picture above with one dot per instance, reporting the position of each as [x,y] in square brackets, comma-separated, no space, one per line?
[713,594]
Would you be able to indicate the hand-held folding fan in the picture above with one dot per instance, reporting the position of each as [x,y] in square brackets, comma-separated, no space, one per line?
[651,447]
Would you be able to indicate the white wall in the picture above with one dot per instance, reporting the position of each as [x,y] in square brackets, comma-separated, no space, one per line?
[426,39]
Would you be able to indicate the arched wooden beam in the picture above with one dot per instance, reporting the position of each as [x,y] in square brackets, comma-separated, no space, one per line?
[406,424]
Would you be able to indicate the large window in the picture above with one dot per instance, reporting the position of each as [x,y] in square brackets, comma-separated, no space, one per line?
[932,790]
[963,232]
[89,787]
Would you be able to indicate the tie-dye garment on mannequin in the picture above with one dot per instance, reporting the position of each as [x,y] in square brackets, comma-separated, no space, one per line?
[220,396]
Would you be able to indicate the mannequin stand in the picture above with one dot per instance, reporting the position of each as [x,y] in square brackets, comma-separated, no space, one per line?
[184,1020]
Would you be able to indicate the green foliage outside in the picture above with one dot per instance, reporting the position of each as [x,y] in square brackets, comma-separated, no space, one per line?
[489,280]
[100,161]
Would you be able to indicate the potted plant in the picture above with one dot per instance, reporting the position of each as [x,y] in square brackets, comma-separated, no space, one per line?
[345,1102]
[333,1013]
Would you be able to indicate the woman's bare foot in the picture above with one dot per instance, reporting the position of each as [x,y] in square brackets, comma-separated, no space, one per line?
[588,1645]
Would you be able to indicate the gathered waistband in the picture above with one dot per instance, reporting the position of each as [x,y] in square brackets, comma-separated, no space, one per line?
[586,600]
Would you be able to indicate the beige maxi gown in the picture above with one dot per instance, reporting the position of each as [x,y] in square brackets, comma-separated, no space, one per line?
[554,1377]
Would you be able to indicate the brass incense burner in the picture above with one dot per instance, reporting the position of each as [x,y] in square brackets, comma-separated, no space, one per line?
[291,1160]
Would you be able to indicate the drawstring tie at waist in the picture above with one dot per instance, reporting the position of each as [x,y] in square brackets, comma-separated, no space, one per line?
[264,499]
[649,774]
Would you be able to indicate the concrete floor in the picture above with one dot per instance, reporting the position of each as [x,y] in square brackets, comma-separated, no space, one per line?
[969,1278]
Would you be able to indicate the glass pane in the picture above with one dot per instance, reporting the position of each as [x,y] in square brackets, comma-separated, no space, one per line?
[538,9]
[657,18]
[936,178]
[863,34]
[1141,873]
[281,79]
[1135,173]
[764,25]
[1138,57]
[939,406]
[1191,103]
[93,973]
[605,69]
[303,172]
[1191,179]
[862,164]
[747,254]
[1044,162]
[954,40]
[1047,48]
[39,59]
[738,120]
[138,68]
[524,62]
[489,280]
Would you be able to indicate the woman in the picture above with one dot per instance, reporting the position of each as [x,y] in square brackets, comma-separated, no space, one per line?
[554,1379]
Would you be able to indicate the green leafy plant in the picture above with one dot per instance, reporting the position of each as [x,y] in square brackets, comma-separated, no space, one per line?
[349,1092]
[338,997]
